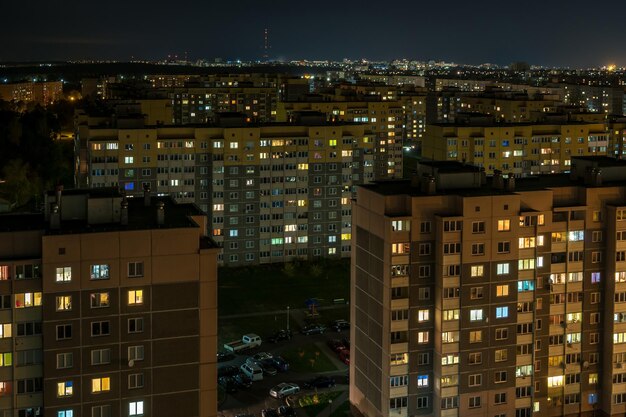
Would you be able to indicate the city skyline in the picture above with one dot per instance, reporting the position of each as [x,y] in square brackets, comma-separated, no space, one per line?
[454,31]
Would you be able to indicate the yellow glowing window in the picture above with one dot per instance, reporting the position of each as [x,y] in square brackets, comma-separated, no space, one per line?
[6,359]
[555,381]
[303,167]
[346,236]
[100,384]
[332,142]
[135,297]
[301,203]
[64,303]
[65,389]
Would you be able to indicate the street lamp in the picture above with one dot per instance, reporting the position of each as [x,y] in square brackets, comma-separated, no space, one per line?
[330,404]
[287,319]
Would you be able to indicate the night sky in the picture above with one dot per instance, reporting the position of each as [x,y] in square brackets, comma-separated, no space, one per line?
[548,32]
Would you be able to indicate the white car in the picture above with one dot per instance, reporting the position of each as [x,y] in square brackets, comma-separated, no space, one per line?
[283,389]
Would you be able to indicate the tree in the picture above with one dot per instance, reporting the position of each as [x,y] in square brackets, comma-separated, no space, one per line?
[19,187]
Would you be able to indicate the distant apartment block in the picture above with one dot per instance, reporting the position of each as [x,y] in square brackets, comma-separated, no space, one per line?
[475,296]
[108,309]
[43,93]
[276,192]
[520,148]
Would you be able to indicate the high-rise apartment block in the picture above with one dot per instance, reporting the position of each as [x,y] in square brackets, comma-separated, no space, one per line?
[108,308]
[499,297]
[520,148]
[276,192]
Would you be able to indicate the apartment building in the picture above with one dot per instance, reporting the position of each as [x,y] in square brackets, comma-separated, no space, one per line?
[520,148]
[43,93]
[504,297]
[385,121]
[509,107]
[108,309]
[192,105]
[276,192]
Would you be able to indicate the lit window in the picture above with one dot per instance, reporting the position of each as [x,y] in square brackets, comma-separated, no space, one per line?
[6,359]
[99,271]
[100,384]
[476,315]
[422,381]
[504,225]
[135,408]
[64,274]
[4,273]
[65,389]
[65,413]
[135,297]
[502,312]
[99,299]
[5,330]
[64,303]
[29,299]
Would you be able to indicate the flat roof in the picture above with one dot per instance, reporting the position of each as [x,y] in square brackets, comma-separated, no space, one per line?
[536,183]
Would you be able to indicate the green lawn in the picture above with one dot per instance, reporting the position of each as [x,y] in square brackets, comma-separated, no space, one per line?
[318,402]
[274,287]
[342,411]
[308,358]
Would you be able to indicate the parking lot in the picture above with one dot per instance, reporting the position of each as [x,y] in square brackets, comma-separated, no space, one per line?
[252,400]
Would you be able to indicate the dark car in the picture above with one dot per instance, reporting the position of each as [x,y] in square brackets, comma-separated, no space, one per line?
[268,367]
[228,383]
[280,364]
[286,411]
[242,381]
[313,329]
[269,412]
[225,356]
[336,345]
[344,356]
[340,325]
[320,382]
[227,370]
[280,335]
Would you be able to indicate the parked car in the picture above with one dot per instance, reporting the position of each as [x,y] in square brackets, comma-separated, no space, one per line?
[313,329]
[336,345]
[261,356]
[227,370]
[280,364]
[252,371]
[225,356]
[268,368]
[280,335]
[228,383]
[269,412]
[320,382]
[248,341]
[242,381]
[340,325]
[283,389]
[286,411]
[344,356]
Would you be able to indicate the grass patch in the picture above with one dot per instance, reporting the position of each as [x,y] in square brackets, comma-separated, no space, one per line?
[343,410]
[315,403]
[308,358]
[274,287]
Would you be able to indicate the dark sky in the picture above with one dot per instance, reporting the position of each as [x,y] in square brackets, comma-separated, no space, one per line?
[548,32]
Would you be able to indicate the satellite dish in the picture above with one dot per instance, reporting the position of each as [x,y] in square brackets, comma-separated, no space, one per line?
[131,363]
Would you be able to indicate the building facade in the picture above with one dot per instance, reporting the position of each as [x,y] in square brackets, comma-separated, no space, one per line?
[521,148]
[275,192]
[491,299]
[90,326]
